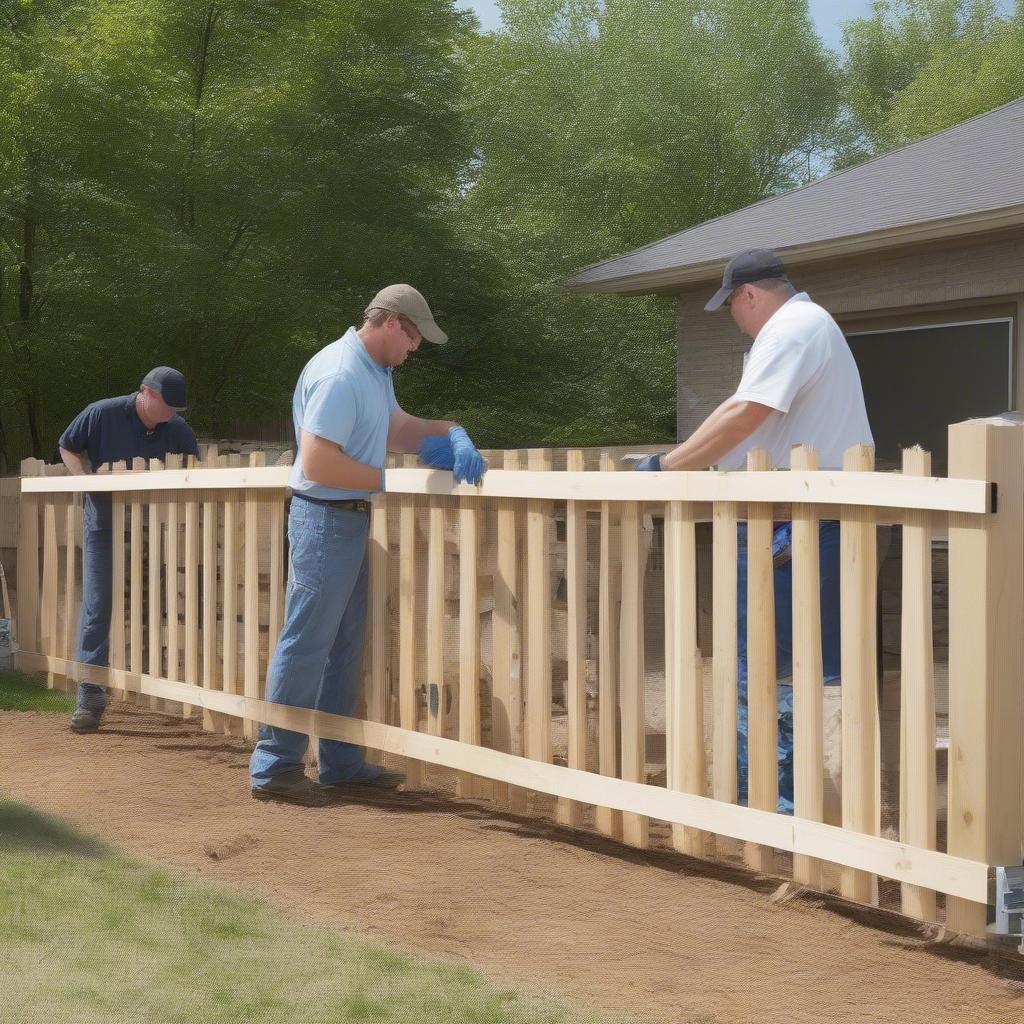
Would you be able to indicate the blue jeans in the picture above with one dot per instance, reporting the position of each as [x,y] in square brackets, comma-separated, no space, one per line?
[828,549]
[93,646]
[316,662]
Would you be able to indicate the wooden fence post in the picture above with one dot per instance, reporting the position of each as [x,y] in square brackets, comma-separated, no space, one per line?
[407,695]
[538,615]
[155,558]
[251,594]
[569,812]
[28,564]
[986,619]
[117,583]
[135,623]
[469,636]
[862,767]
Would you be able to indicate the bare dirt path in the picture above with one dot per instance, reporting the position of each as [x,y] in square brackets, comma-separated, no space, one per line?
[657,935]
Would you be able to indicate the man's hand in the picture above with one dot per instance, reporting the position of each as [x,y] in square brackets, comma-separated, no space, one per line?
[436,451]
[649,464]
[469,465]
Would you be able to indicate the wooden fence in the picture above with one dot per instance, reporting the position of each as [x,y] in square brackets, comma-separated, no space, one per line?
[469,586]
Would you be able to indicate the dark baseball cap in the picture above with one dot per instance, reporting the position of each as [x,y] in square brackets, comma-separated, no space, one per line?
[169,384]
[746,268]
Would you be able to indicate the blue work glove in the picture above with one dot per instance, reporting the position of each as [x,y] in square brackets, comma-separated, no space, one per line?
[436,451]
[470,465]
[650,464]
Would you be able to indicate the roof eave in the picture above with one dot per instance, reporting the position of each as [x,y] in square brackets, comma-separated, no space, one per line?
[676,278]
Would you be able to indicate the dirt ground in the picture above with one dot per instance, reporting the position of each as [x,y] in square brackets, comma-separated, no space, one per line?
[653,934]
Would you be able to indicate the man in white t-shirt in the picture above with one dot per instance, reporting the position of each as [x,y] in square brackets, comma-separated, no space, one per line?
[800,385]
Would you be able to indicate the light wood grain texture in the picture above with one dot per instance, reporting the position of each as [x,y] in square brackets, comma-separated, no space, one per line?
[435,620]
[70,575]
[861,745]
[568,812]
[469,638]
[408,688]
[48,600]
[251,596]
[155,559]
[986,709]
[917,691]
[724,555]
[136,622]
[538,622]
[608,820]
[762,707]
[808,673]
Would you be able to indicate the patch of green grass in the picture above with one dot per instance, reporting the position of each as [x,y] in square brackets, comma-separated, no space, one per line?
[19,692]
[90,937]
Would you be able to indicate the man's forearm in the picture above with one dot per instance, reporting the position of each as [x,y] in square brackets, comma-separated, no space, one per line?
[729,425]
[407,434]
[326,464]
[77,462]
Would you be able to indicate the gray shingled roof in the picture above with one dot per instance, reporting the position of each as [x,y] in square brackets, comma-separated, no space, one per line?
[973,167]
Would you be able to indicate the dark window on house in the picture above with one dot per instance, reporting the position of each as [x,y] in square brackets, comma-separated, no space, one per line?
[919,380]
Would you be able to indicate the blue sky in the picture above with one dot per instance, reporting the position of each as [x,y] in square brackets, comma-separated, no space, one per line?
[828,15]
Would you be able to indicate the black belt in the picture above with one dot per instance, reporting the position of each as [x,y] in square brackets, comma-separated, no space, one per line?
[348,504]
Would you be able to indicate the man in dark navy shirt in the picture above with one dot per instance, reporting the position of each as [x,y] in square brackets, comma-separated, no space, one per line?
[144,425]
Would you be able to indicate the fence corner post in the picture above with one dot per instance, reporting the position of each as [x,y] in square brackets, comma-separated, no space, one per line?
[986,651]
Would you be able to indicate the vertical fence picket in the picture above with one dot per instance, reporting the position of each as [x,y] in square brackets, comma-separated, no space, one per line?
[607,820]
[251,593]
[277,571]
[635,827]
[986,702]
[684,675]
[469,635]
[506,676]
[570,812]
[211,721]
[808,674]
[135,619]
[377,698]
[408,694]
[70,575]
[229,650]
[155,561]
[762,710]
[171,563]
[724,554]
[538,625]
[28,564]
[861,741]
[917,690]
[117,588]
[48,601]
[191,571]
[436,702]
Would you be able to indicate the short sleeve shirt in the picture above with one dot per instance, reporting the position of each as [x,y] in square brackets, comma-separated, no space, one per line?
[345,397]
[801,367]
[110,431]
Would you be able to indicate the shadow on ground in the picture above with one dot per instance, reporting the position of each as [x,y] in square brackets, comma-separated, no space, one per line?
[25,830]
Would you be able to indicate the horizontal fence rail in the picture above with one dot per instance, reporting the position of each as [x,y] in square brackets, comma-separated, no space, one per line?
[572,634]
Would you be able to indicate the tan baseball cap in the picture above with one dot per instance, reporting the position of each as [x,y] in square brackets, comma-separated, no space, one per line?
[406,301]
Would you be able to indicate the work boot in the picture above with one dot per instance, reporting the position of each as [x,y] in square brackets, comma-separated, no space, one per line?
[86,720]
[294,788]
[369,777]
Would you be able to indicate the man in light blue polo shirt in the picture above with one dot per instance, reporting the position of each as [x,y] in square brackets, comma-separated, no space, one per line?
[346,421]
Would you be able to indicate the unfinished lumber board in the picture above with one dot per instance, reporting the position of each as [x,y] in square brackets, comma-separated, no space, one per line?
[137,536]
[277,573]
[538,618]
[635,828]
[436,694]
[154,601]
[724,555]
[917,691]
[407,685]
[251,596]
[28,560]
[377,676]
[469,637]
[861,743]
[684,678]
[762,707]
[211,722]
[808,673]
[608,820]
[172,561]
[70,574]
[48,604]
[958,876]
[884,490]
[569,812]
[986,605]
[191,571]
[506,676]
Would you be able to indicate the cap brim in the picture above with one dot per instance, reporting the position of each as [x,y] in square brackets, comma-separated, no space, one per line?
[431,332]
[717,299]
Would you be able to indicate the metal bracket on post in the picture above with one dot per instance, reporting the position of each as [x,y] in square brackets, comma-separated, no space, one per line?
[1009,904]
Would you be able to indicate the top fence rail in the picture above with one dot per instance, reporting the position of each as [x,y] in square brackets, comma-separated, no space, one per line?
[881,490]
